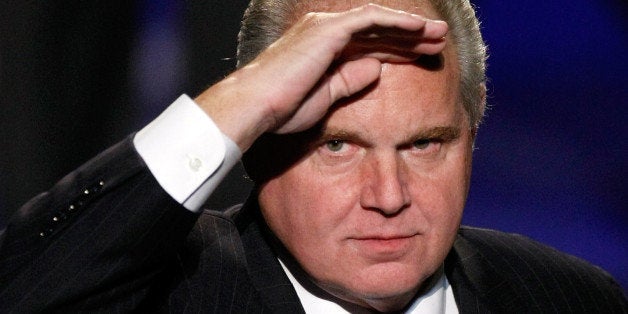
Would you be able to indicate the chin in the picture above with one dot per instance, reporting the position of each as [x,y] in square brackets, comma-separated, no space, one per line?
[384,288]
[383,301]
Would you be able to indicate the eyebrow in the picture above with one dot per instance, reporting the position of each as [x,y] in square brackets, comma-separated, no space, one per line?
[441,133]
[326,135]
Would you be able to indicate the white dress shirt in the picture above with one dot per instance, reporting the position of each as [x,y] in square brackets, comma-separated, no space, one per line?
[186,152]
[439,299]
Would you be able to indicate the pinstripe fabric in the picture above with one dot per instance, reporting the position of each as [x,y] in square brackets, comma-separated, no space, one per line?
[497,272]
[126,246]
[263,267]
[211,275]
[100,256]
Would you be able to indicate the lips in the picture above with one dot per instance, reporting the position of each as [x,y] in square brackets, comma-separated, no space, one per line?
[383,247]
[382,237]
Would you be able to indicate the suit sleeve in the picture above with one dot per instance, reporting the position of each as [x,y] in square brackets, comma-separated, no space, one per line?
[96,240]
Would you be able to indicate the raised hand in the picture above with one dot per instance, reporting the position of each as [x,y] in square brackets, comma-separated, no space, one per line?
[323,57]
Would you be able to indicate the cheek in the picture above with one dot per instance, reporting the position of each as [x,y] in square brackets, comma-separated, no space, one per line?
[304,207]
[441,191]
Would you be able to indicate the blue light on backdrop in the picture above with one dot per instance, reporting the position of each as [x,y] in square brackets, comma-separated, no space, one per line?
[552,158]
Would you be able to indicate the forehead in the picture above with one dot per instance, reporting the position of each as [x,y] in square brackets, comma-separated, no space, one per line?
[406,100]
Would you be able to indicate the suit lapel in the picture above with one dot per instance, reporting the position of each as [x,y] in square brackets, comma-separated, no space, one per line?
[477,284]
[264,269]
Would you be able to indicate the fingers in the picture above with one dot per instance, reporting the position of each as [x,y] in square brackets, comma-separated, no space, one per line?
[358,40]
[370,30]
[397,36]
[378,21]
[353,76]
[391,49]
[369,15]
[324,57]
[435,29]
[369,22]
[346,80]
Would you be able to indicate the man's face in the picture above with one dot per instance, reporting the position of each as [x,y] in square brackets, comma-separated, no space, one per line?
[372,210]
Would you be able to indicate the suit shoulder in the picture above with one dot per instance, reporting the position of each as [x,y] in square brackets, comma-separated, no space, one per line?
[540,268]
[515,248]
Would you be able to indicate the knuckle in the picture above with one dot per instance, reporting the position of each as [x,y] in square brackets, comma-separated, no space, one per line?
[313,19]
[368,11]
[369,8]
[310,16]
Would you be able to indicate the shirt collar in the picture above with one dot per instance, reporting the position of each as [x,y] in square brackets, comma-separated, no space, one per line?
[438,298]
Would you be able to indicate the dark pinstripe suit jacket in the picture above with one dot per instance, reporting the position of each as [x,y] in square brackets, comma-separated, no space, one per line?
[108,239]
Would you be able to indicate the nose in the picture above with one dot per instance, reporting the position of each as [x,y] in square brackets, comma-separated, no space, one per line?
[384,187]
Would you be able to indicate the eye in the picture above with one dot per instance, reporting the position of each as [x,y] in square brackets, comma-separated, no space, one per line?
[426,146]
[421,144]
[335,145]
[337,154]
[337,148]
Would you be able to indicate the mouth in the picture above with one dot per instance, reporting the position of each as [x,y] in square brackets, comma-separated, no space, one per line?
[383,247]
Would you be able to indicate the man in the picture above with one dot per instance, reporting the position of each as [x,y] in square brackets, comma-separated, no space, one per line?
[357,124]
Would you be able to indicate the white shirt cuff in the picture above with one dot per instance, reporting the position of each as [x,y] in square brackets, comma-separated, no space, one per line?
[186,152]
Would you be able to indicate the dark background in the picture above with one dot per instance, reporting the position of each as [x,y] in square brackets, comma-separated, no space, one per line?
[552,156]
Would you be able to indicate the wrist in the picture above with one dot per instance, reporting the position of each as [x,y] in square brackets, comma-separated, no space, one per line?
[236,114]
